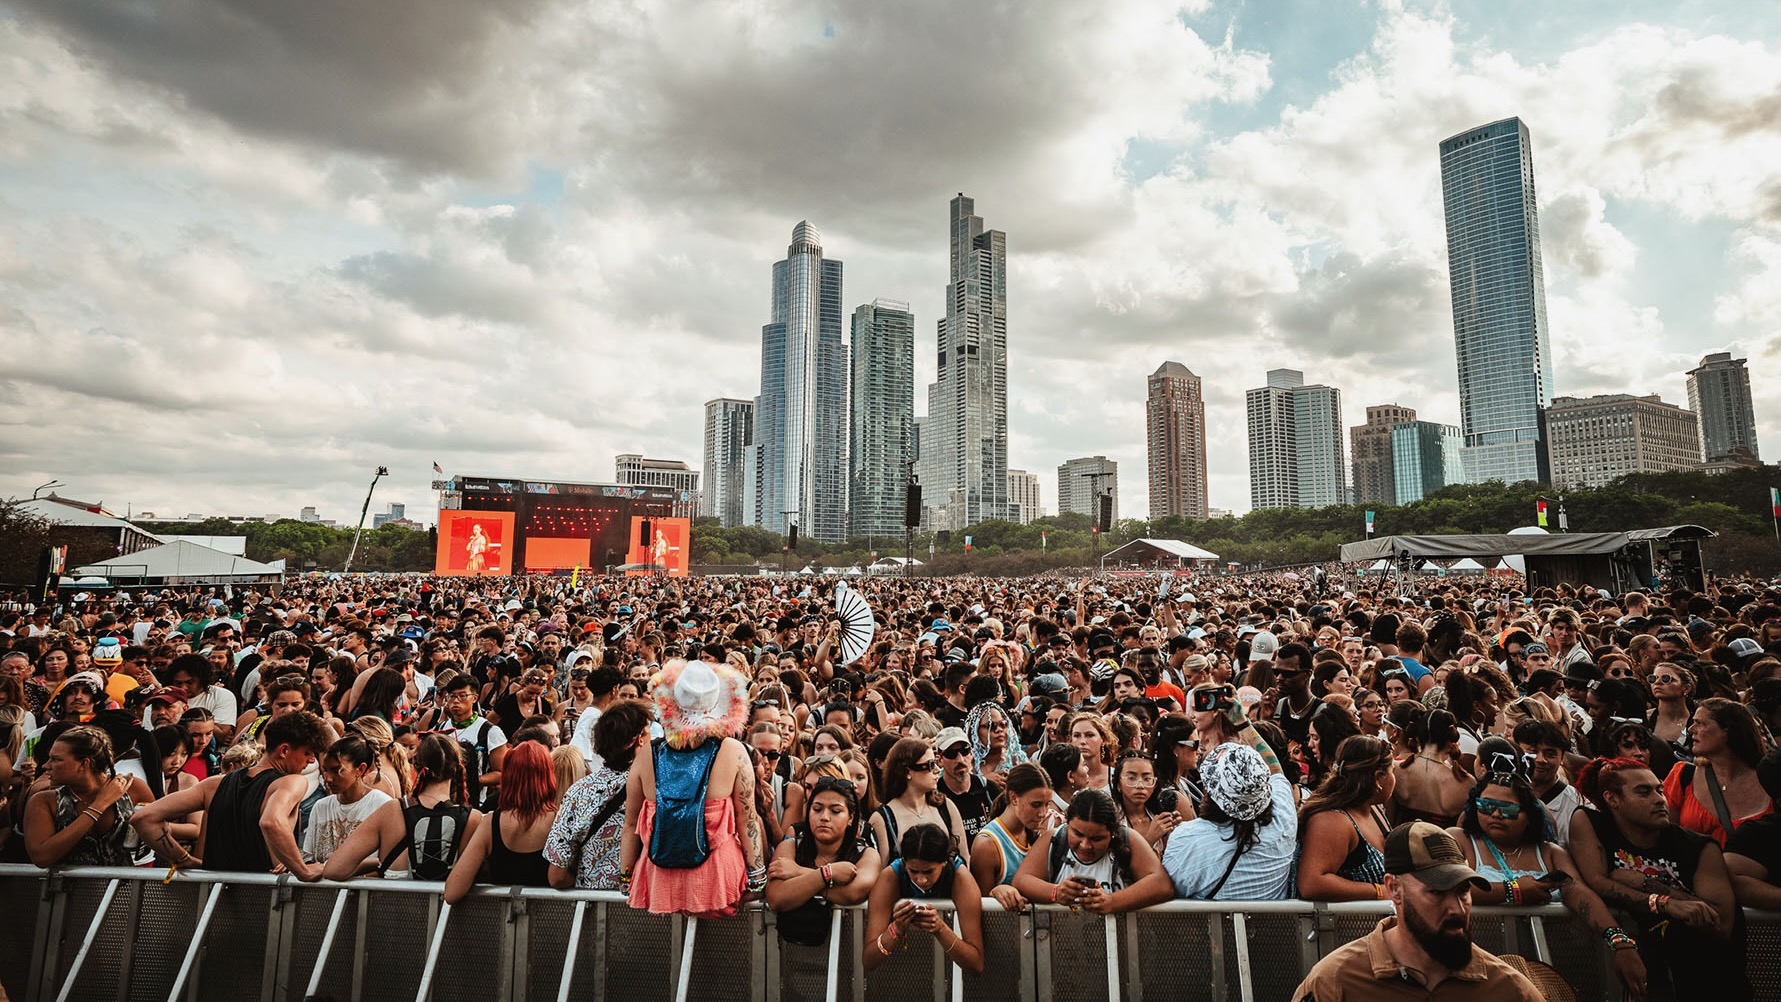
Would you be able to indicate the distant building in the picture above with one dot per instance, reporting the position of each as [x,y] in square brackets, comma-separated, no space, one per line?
[881,416]
[1370,445]
[1498,288]
[308,514]
[632,470]
[1023,496]
[1175,440]
[1296,454]
[1719,395]
[729,431]
[1078,479]
[1425,457]
[1594,440]
[397,512]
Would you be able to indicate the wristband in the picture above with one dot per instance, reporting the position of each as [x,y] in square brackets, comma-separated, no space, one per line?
[1512,890]
[1618,939]
[828,879]
[1245,725]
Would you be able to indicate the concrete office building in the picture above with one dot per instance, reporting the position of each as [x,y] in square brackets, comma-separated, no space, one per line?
[967,420]
[881,416]
[1370,445]
[1719,395]
[1023,496]
[1296,453]
[633,470]
[729,431]
[1079,479]
[1594,440]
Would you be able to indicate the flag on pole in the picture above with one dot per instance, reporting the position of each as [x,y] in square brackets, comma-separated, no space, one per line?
[1370,523]
[967,544]
[437,470]
[1775,501]
[575,577]
[1044,537]
[1540,513]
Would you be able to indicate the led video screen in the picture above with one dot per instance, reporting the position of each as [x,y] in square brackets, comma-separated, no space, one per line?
[545,553]
[667,545]
[474,543]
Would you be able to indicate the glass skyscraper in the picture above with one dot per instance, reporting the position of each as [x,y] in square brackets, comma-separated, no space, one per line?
[882,415]
[1499,300]
[799,458]
[965,438]
[1425,457]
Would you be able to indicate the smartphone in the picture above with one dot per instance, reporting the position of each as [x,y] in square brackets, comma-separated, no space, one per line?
[1089,882]
[1555,877]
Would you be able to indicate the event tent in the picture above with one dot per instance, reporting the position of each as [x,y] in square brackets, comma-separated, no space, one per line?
[1618,561]
[184,562]
[1159,553]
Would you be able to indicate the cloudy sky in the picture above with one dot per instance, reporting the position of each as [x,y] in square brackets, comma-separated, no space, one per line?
[250,251]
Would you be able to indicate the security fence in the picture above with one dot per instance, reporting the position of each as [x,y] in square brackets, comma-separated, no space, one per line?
[125,934]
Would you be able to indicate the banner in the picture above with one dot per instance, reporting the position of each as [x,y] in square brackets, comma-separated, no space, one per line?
[967,544]
[1540,513]
[1369,523]
[1775,501]
[474,543]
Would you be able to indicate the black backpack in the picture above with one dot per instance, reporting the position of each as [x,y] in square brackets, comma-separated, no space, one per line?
[433,838]
[476,762]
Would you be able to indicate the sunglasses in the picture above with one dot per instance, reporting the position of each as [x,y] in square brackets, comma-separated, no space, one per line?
[827,783]
[762,704]
[1508,810]
[931,765]
[953,753]
[1287,673]
[771,756]
[1665,680]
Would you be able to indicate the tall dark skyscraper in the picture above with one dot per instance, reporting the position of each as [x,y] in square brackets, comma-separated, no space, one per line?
[1719,394]
[966,427]
[1175,437]
[881,415]
[1499,300]
[729,431]
[799,460]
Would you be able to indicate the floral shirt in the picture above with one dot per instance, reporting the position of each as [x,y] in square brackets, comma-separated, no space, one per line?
[593,857]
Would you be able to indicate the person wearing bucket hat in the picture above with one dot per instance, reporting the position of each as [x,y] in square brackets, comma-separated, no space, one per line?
[693,844]
[1242,845]
[1424,950]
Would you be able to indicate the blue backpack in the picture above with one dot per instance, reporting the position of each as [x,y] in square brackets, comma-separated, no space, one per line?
[679,841]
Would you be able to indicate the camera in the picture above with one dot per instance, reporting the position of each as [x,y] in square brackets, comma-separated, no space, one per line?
[1219,698]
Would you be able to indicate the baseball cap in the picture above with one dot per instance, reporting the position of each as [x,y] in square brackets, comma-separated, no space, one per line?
[1534,648]
[108,652]
[1048,684]
[1743,647]
[1263,645]
[1429,854]
[167,697]
[949,737]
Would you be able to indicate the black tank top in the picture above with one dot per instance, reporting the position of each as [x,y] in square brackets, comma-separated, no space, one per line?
[232,837]
[507,866]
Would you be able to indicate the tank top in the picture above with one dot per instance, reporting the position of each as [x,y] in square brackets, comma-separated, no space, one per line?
[1493,866]
[232,837]
[1365,864]
[1011,851]
[111,848]
[509,866]
[942,888]
[894,851]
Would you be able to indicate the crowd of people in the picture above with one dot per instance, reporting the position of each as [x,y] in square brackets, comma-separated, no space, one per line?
[1103,744]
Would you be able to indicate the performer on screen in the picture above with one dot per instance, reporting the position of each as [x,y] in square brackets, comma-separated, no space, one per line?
[477,548]
[658,551]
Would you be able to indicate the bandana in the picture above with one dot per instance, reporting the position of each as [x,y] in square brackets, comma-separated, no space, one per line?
[1012,756]
[1237,780]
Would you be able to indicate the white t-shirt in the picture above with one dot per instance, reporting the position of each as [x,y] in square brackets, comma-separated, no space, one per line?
[583,738]
[1558,813]
[331,821]
[220,702]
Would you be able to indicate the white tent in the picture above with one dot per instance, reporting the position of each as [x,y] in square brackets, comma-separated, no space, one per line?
[1160,551]
[183,562]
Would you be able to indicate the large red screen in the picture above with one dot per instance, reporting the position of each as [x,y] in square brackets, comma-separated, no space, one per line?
[669,545]
[474,543]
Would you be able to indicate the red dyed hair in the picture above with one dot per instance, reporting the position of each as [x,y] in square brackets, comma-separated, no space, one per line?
[528,782]
[1598,774]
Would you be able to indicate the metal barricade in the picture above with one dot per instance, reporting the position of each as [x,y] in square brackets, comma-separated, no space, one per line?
[124,934]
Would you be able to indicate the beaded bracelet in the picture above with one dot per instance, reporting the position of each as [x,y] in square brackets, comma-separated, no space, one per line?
[1657,903]
[1618,939]
[1512,887]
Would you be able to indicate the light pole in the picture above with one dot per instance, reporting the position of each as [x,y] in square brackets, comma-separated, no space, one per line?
[382,471]
[1094,528]
[52,484]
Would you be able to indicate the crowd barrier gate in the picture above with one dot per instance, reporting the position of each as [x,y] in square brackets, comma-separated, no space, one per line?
[121,934]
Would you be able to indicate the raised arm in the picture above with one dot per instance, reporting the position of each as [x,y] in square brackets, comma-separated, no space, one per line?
[278,820]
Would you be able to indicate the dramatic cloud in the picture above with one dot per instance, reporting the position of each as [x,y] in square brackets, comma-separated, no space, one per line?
[249,251]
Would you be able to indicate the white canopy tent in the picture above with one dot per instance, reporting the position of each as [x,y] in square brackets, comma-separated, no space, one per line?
[183,562]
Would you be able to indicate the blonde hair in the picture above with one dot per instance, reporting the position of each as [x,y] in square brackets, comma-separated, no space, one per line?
[240,755]
[567,763]
[921,724]
[12,723]
[378,733]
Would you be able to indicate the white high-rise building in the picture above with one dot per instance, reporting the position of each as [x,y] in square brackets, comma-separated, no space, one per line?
[633,470]
[799,458]
[729,431]
[965,439]
[1023,496]
[1296,444]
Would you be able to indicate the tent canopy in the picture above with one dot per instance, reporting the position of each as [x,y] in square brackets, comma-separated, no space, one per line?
[1151,549]
[1484,545]
[184,562]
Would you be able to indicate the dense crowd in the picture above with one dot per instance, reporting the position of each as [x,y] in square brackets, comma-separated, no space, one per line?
[1102,744]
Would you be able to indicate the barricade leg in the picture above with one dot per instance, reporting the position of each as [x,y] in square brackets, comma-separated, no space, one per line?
[570,953]
[321,955]
[86,943]
[198,933]
[426,988]
[1240,935]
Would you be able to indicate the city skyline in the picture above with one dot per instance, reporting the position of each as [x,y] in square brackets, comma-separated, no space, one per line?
[437,264]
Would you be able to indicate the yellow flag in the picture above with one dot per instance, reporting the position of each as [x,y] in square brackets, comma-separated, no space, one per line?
[575,576]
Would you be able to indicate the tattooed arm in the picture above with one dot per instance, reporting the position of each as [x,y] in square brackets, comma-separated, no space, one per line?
[748,822]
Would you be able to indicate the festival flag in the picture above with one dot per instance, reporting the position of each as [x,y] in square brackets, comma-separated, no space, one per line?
[1044,537]
[1775,501]
[575,576]
[1369,523]
[1540,513]
[437,470]
[967,544]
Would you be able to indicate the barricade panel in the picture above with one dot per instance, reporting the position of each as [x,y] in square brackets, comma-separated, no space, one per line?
[1174,956]
[396,948]
[313,907]
[20,899]
[234,955]
[1004,941]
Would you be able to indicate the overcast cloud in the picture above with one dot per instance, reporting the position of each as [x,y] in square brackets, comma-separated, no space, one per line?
[250,251]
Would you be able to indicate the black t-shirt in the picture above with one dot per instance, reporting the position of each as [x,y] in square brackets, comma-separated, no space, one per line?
[1296,725]
[973,805]
[1760,840]
[1682,962]
[950,715]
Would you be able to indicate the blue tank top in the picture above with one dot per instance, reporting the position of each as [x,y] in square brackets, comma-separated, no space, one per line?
[942,888]
[1012,853]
